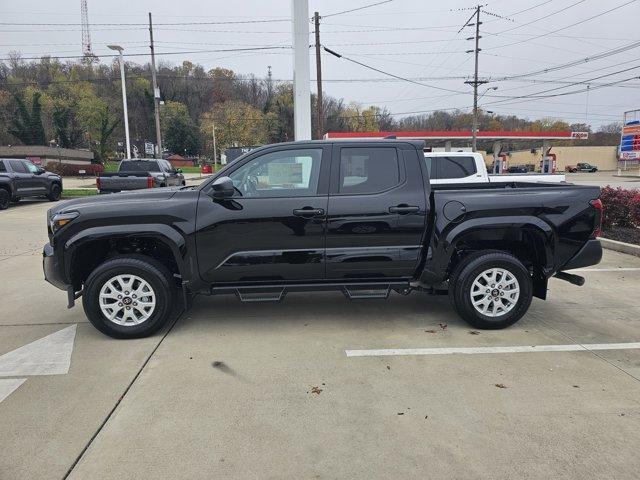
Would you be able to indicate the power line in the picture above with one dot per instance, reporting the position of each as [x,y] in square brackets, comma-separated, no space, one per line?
[567,26]
[357,9]
[335,54]
[248,49]
[580,61]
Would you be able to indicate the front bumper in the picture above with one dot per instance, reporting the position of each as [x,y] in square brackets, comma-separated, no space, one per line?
[53,268]
[589,254]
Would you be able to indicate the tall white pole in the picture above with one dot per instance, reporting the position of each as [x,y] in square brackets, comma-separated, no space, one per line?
[124,106]
[215,149]
[301,78]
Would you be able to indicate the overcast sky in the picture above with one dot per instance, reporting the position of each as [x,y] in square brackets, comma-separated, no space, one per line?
[409,38]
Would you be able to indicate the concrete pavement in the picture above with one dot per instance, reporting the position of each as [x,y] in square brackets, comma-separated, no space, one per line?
[245,391]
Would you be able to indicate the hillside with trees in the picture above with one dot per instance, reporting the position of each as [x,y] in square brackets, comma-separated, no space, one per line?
[78,105]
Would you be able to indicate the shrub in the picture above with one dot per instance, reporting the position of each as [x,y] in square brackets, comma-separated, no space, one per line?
[72,170]
[634,207]
[618,204]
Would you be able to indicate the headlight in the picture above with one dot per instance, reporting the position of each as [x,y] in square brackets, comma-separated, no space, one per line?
[59,220]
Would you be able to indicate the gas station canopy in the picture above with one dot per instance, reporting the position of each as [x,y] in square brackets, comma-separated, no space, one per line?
[463,135]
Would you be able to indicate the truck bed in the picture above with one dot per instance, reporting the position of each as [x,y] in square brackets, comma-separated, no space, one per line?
[114,182]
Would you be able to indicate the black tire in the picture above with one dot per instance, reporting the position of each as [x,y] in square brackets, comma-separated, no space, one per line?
[5,199]
[151,271]
[461,282]
[55,192]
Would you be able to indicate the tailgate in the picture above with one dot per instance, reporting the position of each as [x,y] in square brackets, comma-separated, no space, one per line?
[124,182]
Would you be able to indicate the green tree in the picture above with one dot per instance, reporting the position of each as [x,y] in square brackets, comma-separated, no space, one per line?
[100,120]
[181,134]
[26,124]
[236,123]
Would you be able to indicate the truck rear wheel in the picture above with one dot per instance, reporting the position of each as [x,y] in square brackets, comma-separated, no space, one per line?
[491,290]
[128,297]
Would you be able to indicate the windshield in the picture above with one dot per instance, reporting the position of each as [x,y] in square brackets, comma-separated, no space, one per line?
[139,166]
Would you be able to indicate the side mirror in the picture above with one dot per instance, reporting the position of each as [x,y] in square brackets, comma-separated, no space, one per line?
[40,171]
[222,188]
[178,170]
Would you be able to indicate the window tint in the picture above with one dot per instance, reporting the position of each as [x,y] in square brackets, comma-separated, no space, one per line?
[2,167]
[17,166]
[287,173]
[454,167]
[139,166]
[30,167]
[368,170]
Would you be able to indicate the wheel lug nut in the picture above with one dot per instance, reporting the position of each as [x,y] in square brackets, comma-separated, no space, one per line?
[134,296]
[119,304]
[126,293]
[119,296]
[128,308]
[493,285]
[488,290]
[135,304]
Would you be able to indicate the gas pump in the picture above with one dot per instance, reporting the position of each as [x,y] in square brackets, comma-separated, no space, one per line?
[548,164]
[500,164]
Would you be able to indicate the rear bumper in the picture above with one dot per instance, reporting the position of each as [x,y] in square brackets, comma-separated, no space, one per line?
[53,268]
[589,254]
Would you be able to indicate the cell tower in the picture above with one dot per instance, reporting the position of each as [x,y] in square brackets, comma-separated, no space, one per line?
[86,35]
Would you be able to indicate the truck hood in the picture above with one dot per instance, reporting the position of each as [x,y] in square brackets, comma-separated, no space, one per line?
[146,195]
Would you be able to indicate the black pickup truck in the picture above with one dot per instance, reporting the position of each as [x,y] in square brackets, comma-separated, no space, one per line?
[360,217]
[21,178]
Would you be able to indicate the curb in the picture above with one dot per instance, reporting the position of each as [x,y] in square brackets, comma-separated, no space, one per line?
[621,247]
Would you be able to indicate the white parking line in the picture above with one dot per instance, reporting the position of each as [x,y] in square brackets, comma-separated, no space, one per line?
[621,269]
[488,350]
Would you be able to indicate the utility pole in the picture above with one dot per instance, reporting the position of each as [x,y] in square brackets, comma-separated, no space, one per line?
[475,82]
[156,92]
[320,113]
[215,148]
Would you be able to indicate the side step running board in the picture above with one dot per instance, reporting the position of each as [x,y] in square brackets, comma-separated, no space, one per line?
[571,278]
[247,296]
[361,293]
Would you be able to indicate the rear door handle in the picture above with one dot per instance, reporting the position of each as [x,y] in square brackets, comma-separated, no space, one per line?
[403,208]
[308,212]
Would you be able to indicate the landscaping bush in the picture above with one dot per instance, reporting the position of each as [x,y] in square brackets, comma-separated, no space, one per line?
[73,170]
[634,207]
[618,205]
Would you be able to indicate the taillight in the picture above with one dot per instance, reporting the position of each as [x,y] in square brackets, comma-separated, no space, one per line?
[98,183]
[149,182]
[597,227]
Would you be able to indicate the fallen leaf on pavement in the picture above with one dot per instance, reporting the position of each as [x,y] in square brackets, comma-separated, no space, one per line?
[316,390]
[501,385]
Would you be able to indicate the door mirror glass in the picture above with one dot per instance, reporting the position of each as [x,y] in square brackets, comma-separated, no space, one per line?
[222,188]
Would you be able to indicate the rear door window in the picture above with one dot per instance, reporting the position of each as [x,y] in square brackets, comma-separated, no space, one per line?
[2,167]
[17,166]
[368,170]
[453,167]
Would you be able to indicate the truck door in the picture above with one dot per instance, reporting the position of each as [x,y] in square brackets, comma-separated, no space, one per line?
[39,182]
[377,212]
[273,229]
[23,178]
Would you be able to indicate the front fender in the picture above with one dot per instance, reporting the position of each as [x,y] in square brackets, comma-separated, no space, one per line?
[163,233]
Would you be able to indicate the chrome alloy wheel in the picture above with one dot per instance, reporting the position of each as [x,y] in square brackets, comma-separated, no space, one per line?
[127,300]
[495,292]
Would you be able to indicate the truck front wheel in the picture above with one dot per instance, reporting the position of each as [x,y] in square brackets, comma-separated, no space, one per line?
[491,290]
[128,297]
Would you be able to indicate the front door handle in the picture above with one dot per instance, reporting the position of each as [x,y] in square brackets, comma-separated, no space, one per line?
[308,212]
[403,208]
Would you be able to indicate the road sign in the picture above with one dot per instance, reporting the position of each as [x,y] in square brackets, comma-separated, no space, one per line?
[149,148]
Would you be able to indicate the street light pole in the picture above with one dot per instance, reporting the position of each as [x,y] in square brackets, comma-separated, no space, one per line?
[119,49]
